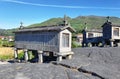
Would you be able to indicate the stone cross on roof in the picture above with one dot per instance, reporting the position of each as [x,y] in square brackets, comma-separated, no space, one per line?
[65,20]
[108,20]
[21,25]
[85,28]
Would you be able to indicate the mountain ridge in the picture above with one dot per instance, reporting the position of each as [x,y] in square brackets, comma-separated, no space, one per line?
[78,23]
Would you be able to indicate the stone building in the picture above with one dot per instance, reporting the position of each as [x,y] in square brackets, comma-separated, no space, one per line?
[92,37]
[2,37]
[111,34]
[53,39]
[78,38]
[108,36]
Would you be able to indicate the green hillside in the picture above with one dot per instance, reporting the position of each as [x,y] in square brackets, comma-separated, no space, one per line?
[77,23]
[7,32]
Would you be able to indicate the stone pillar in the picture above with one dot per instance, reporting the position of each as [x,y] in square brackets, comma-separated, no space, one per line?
[103,43]
[111,42]
[69,56]
[59,58]
[83,44]
[40,56]
[15,53]
[26,55]
[91,45]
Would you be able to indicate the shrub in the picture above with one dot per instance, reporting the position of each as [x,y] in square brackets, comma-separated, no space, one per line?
[21,55]
[75,44]
[10,44]
[7,44]
[0,42]
[31,56]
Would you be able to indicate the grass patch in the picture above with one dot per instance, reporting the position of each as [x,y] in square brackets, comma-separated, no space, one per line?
[7,53]
[6,57]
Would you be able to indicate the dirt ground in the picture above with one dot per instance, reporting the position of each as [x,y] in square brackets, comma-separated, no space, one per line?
[7,50]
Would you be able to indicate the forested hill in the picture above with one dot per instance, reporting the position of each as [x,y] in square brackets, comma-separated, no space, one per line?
[77,23]
[7,32]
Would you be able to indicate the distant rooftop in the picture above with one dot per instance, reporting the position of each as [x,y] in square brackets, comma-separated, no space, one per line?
[94,30]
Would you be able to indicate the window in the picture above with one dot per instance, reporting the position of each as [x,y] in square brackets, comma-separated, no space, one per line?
[65,40]
[116,32]
[90,35]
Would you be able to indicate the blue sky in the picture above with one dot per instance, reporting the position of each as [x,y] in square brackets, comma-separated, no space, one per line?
[12,12]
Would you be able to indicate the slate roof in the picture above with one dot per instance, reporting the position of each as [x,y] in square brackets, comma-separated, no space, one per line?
[93,30]
[46,28]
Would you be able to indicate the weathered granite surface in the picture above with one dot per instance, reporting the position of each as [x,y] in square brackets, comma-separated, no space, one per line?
[101,62]
[87,63]
[40,71]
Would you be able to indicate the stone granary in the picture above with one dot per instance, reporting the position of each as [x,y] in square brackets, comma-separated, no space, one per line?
[109,35]
[53,39]
[91,37]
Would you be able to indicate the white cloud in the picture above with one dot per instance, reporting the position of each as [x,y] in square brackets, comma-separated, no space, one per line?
[59,6]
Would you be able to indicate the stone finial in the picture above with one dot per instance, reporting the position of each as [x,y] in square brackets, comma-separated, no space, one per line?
[108,20]
[65,20]
[21,25]
[85,28]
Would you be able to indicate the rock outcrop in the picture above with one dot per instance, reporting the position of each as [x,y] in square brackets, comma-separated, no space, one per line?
[87,63]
